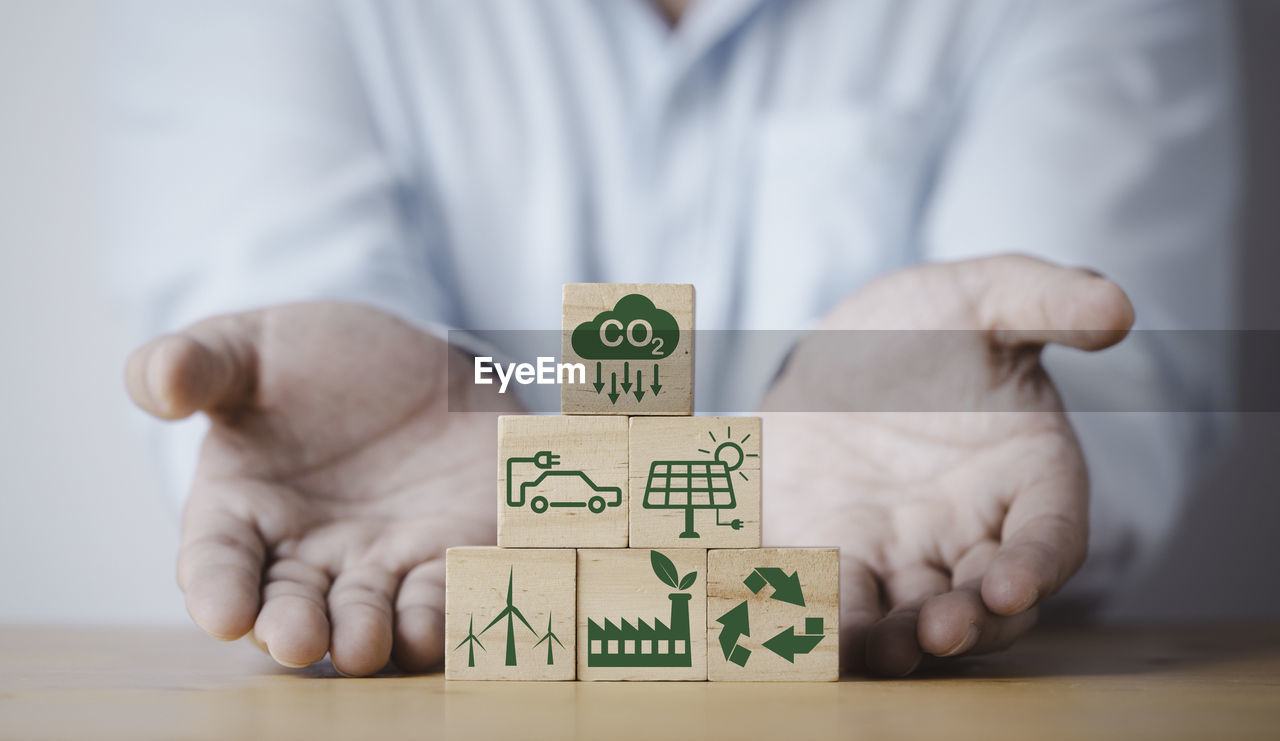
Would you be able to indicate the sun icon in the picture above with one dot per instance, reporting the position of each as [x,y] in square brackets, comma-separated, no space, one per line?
[730,452]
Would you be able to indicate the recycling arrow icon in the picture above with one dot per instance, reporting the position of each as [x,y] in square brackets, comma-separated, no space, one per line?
[785,588]
[736,623]
[786,644]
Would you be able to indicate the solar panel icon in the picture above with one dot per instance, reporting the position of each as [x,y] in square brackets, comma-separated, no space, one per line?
[692,485]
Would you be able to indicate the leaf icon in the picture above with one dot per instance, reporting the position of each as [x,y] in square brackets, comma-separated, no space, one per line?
[664,569]
[688,580]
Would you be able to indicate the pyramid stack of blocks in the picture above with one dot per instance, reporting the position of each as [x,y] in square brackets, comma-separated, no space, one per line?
[629,530]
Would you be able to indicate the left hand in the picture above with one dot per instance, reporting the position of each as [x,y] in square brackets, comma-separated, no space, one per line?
[953,525]
[332,479]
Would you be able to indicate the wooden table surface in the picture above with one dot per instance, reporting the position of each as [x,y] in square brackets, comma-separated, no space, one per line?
[1210,682]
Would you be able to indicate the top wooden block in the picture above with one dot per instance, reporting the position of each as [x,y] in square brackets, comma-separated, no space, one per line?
[636,342]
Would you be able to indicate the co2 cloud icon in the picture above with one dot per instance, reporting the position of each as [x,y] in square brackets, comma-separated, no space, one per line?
[634,329]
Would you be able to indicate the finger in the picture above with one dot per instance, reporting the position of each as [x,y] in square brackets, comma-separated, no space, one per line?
[1034,563]
[360,608]
[1044,541]
[419,625]
[892,647]
[860,609]
[210,366]
[1002,631]
[1027,301]
[293,624]
[958,622]
[220,572]
[913,584]
[974,563]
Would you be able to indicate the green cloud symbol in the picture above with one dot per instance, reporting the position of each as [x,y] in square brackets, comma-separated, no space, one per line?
[634,329]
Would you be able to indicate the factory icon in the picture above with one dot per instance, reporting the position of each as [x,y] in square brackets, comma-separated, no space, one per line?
[645,644]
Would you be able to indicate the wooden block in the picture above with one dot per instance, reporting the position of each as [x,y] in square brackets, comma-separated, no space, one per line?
[509,613]
[636,342]
[773,614]
[562,482]
[696,482]
[640,615]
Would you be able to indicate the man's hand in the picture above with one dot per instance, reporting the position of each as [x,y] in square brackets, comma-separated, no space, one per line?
[331,481]
[953,525]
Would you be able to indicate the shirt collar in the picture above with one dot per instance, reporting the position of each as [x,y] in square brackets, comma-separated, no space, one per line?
[705,24]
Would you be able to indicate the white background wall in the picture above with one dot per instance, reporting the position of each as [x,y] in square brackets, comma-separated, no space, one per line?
[86,534]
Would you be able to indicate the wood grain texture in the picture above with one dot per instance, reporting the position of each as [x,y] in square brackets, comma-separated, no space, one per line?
[584,302]
[1183,683]
[672,444]
[594,446]
[542,587]
[642,617]
[738,577]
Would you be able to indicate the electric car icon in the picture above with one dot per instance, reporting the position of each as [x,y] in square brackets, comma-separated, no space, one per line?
[556,487]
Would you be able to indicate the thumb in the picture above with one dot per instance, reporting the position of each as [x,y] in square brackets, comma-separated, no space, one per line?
[208,367]
[1026,301]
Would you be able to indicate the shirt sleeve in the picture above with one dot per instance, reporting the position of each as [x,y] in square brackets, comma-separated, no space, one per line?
[244,167]
[1103,134]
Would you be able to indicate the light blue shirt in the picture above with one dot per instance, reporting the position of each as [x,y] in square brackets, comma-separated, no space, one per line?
[455,161]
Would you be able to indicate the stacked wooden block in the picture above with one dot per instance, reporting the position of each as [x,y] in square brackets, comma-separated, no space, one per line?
[629,530]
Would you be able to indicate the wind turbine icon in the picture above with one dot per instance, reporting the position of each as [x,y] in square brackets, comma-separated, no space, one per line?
[552,636]
[509,612]
[471,638]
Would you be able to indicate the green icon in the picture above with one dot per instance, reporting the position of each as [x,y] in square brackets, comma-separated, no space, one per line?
[736,623]
[588,494]
[552,636]
[785,588]
[472,640]
[788,643]
[633,330]
[510,612]
[692,485]
[645,645]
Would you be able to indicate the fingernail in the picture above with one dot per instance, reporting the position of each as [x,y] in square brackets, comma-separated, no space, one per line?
[964,644]
[155,382]
[914,665]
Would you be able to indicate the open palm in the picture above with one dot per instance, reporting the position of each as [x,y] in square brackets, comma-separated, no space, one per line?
[956,491]
[331,481]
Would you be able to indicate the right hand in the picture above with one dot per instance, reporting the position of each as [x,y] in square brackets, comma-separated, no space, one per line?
[959,497]
[331,481]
